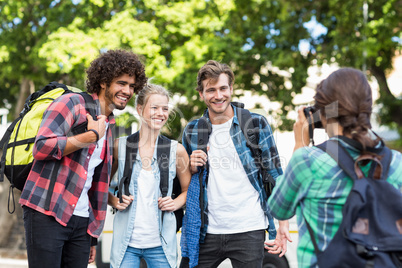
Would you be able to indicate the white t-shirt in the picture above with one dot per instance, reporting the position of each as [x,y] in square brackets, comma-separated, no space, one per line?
[82,207]
[233,203]
[146,226]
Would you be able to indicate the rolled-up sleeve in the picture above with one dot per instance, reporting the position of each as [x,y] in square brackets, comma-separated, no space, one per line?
[290,187]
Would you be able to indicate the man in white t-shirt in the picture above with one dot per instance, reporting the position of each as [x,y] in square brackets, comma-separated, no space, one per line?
[228,217]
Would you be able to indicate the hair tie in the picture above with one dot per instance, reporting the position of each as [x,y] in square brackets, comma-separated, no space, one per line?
[354,132]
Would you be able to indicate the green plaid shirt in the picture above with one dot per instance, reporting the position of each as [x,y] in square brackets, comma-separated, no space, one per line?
[314,187]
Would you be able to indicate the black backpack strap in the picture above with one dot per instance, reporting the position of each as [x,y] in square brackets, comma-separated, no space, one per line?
[386,162]
[4,145]
[204,129]
[345,161]
[131,155]
[163,156]
[251,131]
[340,155]
[90,107]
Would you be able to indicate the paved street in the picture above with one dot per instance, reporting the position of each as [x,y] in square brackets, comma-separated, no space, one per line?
[14,263]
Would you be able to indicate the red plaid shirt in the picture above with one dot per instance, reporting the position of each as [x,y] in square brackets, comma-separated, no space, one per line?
[64,113]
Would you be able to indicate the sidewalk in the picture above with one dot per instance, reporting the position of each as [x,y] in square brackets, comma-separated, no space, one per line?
[15,263]
[17,259]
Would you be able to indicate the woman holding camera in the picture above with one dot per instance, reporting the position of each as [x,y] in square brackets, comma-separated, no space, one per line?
[313,186]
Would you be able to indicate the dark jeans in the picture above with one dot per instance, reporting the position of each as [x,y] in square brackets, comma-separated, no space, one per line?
[51,245]
[245,250]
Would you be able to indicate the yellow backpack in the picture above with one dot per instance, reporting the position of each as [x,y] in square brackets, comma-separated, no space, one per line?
[17,142]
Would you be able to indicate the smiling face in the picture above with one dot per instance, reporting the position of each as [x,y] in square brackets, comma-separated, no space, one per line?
[217,96]
[120,91]
[155,112]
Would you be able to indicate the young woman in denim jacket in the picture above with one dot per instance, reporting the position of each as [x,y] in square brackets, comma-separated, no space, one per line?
[138,231]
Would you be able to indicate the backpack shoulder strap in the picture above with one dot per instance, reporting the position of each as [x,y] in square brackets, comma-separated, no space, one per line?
[347,163]
[131,155]
[90,107]
[4,144]
[386,162]
[163,157]
[250,127]
[90,104]
[204,130]
[340,155]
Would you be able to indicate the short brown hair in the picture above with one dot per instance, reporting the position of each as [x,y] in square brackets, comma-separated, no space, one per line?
[212,70]
[113,64]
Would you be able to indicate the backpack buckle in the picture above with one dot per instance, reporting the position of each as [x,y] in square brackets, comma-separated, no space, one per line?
[363,252]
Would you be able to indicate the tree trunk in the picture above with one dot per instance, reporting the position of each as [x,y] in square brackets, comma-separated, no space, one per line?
[27,87]
[386,97]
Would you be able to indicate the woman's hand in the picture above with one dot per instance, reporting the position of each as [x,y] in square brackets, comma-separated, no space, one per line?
[127,200]
[167,204]
[115,202]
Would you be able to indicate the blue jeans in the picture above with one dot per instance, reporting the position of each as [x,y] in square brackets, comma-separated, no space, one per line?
[245,250]
[50,244]
[154,257]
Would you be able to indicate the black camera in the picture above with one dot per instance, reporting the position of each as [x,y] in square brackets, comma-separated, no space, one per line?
[316,116]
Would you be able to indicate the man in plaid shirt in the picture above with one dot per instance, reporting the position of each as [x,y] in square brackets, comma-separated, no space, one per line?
[59,232]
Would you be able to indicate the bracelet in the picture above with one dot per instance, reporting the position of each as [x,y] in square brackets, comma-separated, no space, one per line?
[96,133]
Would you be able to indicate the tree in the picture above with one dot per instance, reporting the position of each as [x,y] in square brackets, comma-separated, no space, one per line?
[56,40]
[25,27]
[364,40]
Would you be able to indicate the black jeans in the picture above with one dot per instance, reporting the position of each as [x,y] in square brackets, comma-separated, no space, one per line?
[245,250]
[51,245]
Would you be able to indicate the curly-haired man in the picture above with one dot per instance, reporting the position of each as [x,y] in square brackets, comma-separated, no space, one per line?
[63,233]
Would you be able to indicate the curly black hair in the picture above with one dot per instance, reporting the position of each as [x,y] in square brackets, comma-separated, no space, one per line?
[112,64]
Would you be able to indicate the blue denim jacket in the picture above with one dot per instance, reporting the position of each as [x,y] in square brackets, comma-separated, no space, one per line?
[124,220]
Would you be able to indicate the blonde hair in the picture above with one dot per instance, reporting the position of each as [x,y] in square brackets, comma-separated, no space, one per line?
[149,89]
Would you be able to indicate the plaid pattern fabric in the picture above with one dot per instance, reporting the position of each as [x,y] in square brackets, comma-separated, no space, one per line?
[64,113]
[315,188]
[190,238]
[270,160]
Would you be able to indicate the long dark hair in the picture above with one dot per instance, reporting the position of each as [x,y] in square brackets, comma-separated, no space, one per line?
[346,96]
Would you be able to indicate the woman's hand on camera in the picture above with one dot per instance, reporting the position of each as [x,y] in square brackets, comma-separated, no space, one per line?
[300,129]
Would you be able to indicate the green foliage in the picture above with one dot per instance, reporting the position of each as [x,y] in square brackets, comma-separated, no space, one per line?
[56,40]
[125,120]
[352,41]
